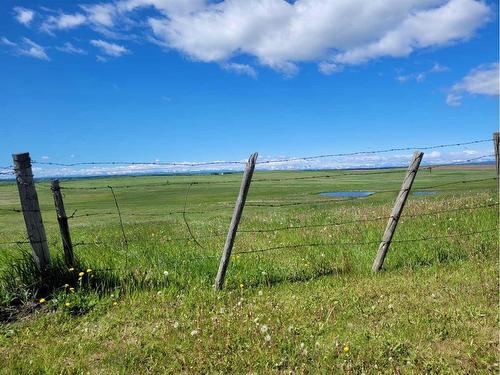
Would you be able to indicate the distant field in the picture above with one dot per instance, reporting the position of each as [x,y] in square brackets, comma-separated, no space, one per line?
[305,309]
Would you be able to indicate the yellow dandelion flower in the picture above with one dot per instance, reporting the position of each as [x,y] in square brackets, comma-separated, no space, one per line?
[115,303]
[67,304]
[346,348]
[241,285]
[42,300]
[81,274]
[89,270]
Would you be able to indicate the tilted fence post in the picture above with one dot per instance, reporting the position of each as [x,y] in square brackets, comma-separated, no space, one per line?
[31,210]
[233,227]
[496,145]
[397,210]
[62,219]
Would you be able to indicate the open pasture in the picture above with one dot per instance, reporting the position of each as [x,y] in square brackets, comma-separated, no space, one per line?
[299,294]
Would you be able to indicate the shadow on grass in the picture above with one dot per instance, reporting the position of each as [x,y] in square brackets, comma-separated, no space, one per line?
[272,280]
[24,288]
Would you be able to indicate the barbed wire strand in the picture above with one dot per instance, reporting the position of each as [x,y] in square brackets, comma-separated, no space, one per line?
[322,244]
[327,224]
[375,151]
[185,220]
[125,240]
[124,163]
[456,163]
[326,201]
[378,218]
[241,162]
[387,170]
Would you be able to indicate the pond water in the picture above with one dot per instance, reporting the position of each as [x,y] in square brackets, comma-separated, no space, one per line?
[352,194]
[424,192]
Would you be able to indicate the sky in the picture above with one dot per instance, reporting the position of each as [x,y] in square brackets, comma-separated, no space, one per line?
[199,80]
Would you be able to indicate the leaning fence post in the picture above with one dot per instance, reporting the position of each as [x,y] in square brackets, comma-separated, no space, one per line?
[62,219]
[233,227]
[396,211]
[31,210]
[496,145]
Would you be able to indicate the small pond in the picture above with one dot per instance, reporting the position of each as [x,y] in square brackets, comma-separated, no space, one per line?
[351,194]
[424,192]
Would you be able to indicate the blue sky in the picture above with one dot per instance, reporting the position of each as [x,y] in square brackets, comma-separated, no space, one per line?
[194,80]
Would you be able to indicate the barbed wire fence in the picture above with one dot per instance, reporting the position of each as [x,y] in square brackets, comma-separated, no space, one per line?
[36,237]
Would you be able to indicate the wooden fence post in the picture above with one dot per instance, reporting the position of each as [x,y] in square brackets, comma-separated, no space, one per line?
[31,210]
[62,219]
[496,145]
[396,211]
[233,227]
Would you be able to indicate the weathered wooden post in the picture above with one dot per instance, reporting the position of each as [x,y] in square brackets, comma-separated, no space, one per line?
[31,210]
[233,227]
[397,210]
[62,219]
[496,145]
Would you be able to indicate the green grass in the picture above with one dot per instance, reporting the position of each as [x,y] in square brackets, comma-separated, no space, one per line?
[433,309]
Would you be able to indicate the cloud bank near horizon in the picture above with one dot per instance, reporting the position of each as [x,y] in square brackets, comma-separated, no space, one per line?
[348,162]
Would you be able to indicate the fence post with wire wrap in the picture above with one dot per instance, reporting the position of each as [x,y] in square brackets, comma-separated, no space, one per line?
[397,210]
[496,146]
[31,210]
[233,227]
[62,219]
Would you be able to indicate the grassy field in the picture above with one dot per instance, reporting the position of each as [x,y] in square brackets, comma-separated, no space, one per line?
[149,307]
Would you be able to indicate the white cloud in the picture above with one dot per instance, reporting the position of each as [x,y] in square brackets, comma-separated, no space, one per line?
[23,15]
[7,42]
[281,34]
[244,69]
[110,49]
[420,77]
[437,26]
[482,80]
[403,78]
[101,14]
[438,68]
[101,58]
[329,68]
[63,22]
[71,49]
[454,100]
[30,48]
[165,6]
